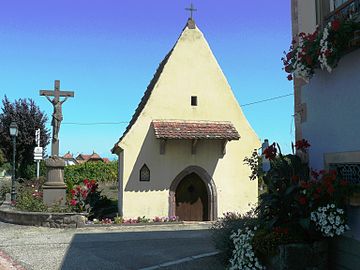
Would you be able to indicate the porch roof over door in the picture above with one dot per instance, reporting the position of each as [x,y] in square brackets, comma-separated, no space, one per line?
[193,130]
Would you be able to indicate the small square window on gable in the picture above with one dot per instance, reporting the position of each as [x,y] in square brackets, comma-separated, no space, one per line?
[194,101]
[145,173]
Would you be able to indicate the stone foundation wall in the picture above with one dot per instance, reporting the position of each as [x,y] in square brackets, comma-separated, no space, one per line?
[50,220]
[344,253]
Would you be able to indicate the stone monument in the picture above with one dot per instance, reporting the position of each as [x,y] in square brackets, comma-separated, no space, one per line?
[54,188]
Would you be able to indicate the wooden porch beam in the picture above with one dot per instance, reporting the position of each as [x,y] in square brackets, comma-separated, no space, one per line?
[223,146]
[193,146]
[162,146]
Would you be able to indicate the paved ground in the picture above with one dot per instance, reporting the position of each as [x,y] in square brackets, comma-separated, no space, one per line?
[143,247]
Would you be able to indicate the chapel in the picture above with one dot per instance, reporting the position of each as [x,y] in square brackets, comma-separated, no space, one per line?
[183,152]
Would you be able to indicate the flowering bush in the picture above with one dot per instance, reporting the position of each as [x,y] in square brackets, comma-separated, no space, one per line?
[329,220]
[106,221]
[224,227]
[319,49]
[243,255]
[335,41]
[30,197]
[278,206]
[84,197]
[120,220]
[265,242]
[324,188]
[297,207]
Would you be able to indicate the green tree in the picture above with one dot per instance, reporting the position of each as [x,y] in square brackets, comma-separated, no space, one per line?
[2,158]
[28,117]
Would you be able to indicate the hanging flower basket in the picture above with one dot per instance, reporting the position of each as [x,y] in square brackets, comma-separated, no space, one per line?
[321,49]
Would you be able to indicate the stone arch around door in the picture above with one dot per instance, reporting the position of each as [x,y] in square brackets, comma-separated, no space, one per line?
[210,187]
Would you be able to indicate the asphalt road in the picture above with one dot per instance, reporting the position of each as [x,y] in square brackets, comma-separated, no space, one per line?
[104,247]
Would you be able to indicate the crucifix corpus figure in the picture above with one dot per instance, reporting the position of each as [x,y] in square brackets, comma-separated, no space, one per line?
[57,116]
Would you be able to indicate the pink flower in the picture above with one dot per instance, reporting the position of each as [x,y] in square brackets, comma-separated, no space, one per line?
[73,202]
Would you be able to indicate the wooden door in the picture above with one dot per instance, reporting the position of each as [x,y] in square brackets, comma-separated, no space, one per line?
[191,199]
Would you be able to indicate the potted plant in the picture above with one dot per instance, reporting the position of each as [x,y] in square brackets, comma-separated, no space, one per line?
[296,216]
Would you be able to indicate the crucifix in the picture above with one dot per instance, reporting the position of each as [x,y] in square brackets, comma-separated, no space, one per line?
[191,9]
[57,116]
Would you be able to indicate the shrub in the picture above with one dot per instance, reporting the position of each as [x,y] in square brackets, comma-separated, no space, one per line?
[102,172]
[118,219]
[30,199]
[265,242]
[5,187]
[223,228]
[104,208]
[244,256]
[29,171]
[84,197]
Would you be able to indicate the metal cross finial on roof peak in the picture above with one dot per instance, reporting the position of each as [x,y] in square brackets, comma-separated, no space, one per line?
[191,9]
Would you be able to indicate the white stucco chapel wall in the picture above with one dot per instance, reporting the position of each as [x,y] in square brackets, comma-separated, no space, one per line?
[191,70]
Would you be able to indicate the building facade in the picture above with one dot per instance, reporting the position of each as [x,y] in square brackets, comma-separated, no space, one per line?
[327,110]
[182,153]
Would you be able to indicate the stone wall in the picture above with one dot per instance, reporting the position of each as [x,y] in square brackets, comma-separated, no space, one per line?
[51,220]
[344,253]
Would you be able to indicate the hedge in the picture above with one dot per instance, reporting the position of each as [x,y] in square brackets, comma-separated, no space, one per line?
[101,172]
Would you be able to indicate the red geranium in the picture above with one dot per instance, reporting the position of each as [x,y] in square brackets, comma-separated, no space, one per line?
[335,25]
[302,200]
[344,182]
[83,197]
[270,152]
[302,145]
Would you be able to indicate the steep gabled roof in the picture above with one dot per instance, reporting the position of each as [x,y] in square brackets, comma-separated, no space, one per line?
[190,24]
[68,155]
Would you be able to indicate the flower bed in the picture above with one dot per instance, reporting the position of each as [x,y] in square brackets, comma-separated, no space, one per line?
[132,221]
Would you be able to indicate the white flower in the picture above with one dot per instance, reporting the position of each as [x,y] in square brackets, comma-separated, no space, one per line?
[329,220]
[243,254]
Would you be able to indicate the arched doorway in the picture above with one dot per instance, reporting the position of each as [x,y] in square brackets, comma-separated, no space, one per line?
[191,199]
[194,186]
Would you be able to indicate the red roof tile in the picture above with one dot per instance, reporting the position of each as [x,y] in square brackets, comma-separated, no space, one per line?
[94,156]
[194,130]
[68,155]
[83,157]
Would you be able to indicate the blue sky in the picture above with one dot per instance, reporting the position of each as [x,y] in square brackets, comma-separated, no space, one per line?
[107,52]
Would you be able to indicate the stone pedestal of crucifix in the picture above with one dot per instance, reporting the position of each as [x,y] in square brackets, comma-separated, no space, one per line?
[54,188]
